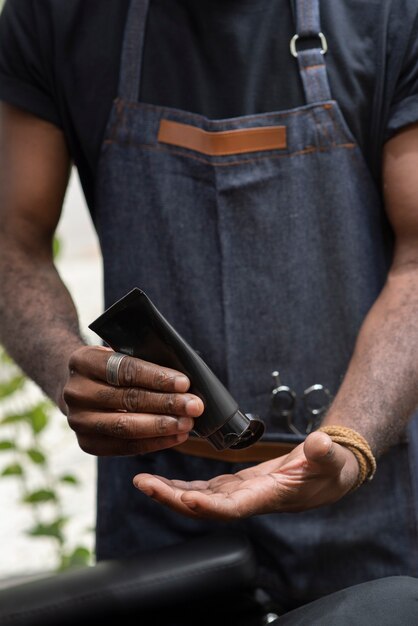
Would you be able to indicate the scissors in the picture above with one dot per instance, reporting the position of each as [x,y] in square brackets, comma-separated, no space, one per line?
[315,398]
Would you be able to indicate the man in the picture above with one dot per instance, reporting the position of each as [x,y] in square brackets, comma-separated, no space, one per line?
[252,167]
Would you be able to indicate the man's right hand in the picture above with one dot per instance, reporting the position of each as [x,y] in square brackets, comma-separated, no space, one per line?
[150,409]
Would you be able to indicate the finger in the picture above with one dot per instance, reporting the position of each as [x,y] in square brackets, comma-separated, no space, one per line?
[122,425]
[320,449]
[195,499]
[164,492]
[105,446]
[184,485]
[91,361]
[83,392]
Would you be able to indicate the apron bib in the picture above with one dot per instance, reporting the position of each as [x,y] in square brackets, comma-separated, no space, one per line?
[263,240]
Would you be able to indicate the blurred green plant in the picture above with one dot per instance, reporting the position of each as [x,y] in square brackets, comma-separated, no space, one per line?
[26,460]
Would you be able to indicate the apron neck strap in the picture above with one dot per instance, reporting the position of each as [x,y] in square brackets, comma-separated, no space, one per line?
[309,46]
[133,50]
[310,59]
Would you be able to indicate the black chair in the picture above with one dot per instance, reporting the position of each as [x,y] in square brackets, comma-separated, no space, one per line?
[206,580]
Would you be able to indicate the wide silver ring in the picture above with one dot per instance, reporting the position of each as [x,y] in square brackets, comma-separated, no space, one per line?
[112,368]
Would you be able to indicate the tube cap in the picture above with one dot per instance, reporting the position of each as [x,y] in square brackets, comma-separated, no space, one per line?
[240,431]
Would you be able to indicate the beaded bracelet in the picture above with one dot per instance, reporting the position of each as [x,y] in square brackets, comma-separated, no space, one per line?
[355,442]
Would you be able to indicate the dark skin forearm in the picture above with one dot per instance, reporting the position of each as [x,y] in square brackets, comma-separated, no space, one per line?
[38,321]
[380,389]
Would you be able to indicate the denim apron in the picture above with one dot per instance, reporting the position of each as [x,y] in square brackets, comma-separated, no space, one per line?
[263,259]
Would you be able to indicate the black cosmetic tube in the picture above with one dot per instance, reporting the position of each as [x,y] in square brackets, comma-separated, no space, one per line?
[134,326]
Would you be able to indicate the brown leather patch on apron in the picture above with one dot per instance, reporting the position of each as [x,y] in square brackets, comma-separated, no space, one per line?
[222,143]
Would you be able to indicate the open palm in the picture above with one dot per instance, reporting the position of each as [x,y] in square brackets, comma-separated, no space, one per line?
[315,473]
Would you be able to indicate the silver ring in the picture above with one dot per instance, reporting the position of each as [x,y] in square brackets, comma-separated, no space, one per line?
[112,368]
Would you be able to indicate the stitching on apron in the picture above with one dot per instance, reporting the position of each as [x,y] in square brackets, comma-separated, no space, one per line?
[315,79]
[308,150]
[323,130]
[339,130]
[312,115]
[119,119]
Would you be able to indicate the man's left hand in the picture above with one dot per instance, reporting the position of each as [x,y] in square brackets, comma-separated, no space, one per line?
[317,472]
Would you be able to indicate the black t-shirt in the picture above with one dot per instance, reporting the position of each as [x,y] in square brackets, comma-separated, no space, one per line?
[59,59]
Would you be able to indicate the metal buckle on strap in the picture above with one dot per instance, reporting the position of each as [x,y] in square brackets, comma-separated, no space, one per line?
[322,38]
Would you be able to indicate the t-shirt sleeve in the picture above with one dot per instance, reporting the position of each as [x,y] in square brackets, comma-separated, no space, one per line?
[26,74]
[404,103]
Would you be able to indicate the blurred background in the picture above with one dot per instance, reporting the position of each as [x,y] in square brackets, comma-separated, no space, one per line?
[47,484]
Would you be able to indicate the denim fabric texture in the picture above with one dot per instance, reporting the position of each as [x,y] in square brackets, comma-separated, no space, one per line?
[262,261]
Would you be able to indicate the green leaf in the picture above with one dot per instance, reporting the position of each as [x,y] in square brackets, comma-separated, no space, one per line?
[54,529]
[14,469]
[38,417]
[36,456]
[11,386]
[80,557]
[56,247]
[69,479]
[7,445]
[39,496]
[4,357]
[13,418]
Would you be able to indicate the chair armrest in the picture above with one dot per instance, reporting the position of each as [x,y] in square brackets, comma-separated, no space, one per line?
[197,572]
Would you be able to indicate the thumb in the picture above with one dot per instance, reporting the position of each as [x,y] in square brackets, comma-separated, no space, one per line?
[321,450]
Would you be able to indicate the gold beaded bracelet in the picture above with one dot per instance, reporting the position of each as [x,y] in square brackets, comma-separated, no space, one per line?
[355,442]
